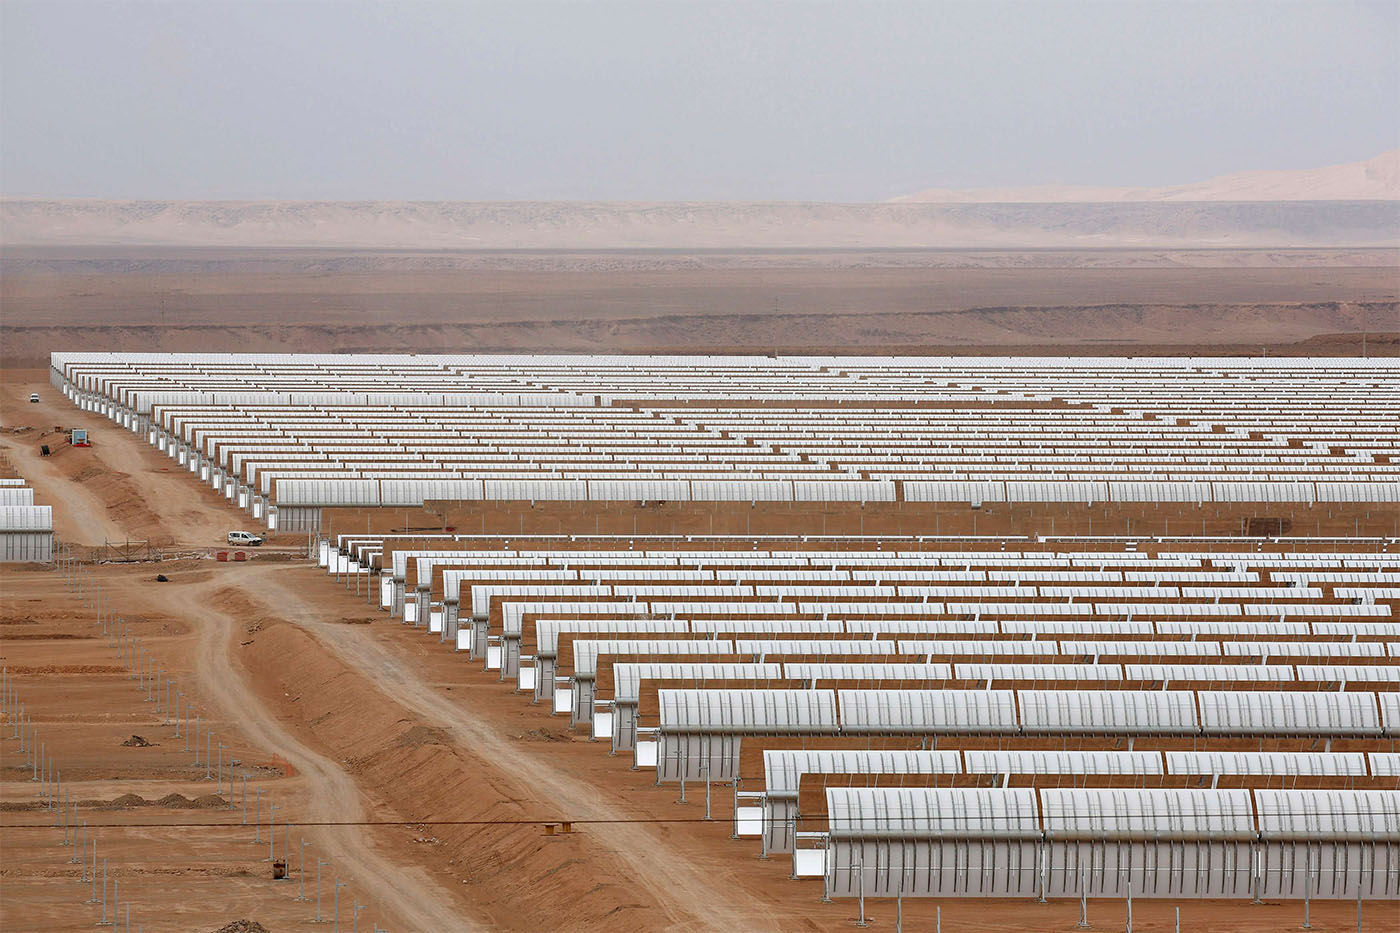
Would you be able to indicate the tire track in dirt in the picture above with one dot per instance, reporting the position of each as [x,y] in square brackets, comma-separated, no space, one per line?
[79,514]
[692,898]
[331,793]
[119,489]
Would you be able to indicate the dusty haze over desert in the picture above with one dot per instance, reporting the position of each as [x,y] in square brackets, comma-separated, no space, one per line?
[880,177]
[1347,205]
[1252,263]
[1375,179]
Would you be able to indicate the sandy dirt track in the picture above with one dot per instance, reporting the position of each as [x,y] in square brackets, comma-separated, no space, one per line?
[670,880]
[103,494]
[331,795]
[119,489]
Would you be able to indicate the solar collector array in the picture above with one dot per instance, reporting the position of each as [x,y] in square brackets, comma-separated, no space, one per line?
[737,653]
[605,420]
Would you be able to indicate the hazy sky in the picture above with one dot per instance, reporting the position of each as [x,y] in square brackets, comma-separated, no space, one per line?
[668,100]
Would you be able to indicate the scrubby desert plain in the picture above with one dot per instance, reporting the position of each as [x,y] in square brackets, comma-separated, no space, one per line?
[1303,301]
[436,779]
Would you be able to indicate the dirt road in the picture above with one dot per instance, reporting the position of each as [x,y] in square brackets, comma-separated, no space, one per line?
[694,897]
[120,489]
[331,794]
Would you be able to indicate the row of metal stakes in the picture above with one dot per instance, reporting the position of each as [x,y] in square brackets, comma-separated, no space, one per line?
[160,689]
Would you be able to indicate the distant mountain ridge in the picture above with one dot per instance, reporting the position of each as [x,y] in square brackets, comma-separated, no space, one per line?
[1376,179]
[449,225]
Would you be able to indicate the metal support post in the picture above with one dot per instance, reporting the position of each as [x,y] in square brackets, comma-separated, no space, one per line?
[301,871]
[1083,923]
[103,921]
[338,885]
[1307,895]
[319,862]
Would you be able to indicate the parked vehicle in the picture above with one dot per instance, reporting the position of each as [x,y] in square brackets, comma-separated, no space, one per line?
[244,539]
[78,437]
[34,396]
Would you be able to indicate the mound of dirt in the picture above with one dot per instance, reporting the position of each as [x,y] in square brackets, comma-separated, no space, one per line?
[175,802]
[67,668]
[136,742]
[242,926]
[129,800]
[209,802]
[419,736]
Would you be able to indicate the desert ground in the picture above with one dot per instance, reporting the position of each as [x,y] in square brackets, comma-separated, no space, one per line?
[1123,301]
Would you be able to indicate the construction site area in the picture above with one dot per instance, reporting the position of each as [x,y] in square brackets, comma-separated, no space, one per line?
[611,466]
[554,642]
